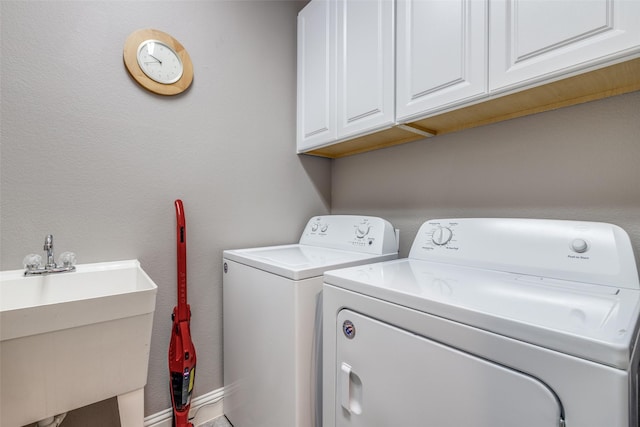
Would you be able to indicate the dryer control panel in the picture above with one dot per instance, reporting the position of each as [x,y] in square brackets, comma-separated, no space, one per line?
[365,234]
[591,252]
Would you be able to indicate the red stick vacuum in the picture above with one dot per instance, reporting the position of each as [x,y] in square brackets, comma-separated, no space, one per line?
[182,353]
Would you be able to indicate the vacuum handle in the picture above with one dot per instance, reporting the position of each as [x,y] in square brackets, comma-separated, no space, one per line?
[181,239]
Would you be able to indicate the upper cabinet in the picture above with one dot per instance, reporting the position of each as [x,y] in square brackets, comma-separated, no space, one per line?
[316,121]
[536,40]
[345,70]
[456,64]
[442,54]
[365,66]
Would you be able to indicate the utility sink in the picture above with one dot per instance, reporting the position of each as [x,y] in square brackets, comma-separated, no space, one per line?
[71,339]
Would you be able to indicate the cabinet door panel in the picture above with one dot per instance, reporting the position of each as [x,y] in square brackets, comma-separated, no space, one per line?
[534,40]
[365,65]
[441,54]
[316,75]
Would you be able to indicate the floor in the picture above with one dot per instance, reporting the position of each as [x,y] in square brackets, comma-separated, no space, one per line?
[218,422]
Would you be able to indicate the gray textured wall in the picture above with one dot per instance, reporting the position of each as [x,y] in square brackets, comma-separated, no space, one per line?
[580,162]
[93,158]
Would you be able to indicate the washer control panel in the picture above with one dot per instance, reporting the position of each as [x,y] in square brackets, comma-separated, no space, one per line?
[351,232]
[571,250]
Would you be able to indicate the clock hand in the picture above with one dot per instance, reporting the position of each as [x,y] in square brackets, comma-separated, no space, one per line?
[156,59]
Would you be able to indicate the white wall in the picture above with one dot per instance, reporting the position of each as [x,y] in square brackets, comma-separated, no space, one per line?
[580,162]
[97,161]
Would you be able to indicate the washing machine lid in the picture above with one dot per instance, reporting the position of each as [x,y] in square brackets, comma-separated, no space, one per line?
[298,262]
[594,322]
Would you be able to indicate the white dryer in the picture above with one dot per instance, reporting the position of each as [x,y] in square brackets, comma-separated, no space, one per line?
[488,323]
[270,300]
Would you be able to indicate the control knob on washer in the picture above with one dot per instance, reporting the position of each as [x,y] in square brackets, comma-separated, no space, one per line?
[362,230]
[441,236]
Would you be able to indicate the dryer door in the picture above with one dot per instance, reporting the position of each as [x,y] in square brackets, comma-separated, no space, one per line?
[387,376]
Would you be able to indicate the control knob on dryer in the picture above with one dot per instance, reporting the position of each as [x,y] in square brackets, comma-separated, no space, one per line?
[579,246]
[441,236]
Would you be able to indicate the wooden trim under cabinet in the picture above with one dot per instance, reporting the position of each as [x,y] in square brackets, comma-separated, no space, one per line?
[373,141]
[609,81]
[601,83]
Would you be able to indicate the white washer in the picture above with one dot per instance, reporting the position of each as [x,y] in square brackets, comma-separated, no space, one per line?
[488,323]
[270,300]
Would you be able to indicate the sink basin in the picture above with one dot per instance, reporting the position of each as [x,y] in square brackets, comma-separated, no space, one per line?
[71,339]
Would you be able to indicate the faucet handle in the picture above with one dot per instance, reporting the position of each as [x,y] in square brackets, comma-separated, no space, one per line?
[32,261]
[67,259]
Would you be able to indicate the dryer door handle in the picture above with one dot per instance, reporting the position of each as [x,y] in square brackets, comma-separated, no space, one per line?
[350,390]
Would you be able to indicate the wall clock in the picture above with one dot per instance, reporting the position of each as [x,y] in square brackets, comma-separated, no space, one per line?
[158,62]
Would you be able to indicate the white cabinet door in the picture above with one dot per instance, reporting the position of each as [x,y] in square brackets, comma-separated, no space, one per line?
[441,54]
[387,376]
[365,65]
[535,40]
[316,121]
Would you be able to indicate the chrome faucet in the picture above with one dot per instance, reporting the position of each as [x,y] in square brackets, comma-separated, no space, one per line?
[48,247]
[33,263]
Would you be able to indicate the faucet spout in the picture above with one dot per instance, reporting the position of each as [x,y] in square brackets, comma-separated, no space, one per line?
[48,247]
[33,266]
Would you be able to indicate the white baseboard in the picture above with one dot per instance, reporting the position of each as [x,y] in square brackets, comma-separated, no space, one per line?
[204,408]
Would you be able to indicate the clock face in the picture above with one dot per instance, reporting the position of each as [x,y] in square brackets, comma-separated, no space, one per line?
[159,62]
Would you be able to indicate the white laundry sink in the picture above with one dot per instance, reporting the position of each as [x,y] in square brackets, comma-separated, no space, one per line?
[71,339]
